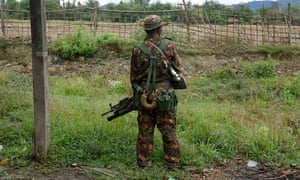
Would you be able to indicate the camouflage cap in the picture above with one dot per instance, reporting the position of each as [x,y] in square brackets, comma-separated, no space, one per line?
[152,22]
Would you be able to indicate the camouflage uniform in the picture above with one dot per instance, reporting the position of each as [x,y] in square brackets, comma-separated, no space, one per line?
[148,119]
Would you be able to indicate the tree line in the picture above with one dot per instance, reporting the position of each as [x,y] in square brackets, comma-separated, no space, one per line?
[210,12]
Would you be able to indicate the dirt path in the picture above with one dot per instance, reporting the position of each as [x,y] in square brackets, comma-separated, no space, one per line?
[232,171]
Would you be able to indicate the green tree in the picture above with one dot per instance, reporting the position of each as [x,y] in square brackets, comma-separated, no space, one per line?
[90,3]
[24,5]
[142,2]
[125,17]
[161,6]
[269,15]
[243,13]
[295,14]
[53,5]
[215,12]
[11,4]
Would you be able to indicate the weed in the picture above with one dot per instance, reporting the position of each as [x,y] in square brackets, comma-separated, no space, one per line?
[139,35]
[73,87]
[115,44]
[225,74]
[293,86]
[4,78]
[110,41]
[290,90]
[271,51]
[264,69]
[261,69]
[85,45]
[78,44]
[3,43]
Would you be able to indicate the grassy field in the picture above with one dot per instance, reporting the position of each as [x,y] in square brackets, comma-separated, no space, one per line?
[252,115]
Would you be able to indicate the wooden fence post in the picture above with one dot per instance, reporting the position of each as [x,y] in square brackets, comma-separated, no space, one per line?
[289,21]
[2,18]
[95,17]
[41,136]
[187,20]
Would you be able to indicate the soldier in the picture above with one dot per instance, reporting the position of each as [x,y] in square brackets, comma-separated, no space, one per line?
[155,97]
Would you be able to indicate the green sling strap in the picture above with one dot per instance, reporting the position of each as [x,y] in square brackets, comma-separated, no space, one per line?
[153,61]
[166,100]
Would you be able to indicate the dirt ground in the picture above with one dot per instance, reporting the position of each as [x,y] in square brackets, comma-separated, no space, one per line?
[112,67]
[235,170]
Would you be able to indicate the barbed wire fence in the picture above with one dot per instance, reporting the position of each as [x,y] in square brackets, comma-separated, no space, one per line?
[185,29]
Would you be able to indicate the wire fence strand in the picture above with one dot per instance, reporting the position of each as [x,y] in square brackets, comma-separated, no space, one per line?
[198,30]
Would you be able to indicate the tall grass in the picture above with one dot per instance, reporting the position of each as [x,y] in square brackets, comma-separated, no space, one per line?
[77,44]
[80,44]
[220,116]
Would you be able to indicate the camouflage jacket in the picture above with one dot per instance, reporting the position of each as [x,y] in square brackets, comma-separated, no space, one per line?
[140,62]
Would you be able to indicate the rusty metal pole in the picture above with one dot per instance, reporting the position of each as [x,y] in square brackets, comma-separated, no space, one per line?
[41,135]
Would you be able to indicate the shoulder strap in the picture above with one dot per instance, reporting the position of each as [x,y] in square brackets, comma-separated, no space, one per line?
[153,60]
[144,49]
[165,59]
[150,85]
[160,48]
[164,44]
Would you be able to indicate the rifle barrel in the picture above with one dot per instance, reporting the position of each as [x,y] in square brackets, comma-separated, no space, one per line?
[107,112]
[124,106]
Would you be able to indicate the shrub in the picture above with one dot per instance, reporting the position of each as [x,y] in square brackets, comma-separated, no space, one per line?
[294,86]
[85,45]
[291,90]
[113,43]
[3,43]
[139,35]
[224,75]
[78,44]
[110,41]
[262,69]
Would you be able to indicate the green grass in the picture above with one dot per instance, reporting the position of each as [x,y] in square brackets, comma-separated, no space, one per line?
[278,52]
[234,48]
[80,44]
[3,43]
[220,117]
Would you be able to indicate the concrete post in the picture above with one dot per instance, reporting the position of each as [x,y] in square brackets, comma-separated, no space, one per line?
[41,135]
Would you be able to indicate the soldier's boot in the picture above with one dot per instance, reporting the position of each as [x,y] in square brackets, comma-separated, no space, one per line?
[144,164]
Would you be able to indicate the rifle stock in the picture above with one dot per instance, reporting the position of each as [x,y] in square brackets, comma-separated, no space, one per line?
[124,106]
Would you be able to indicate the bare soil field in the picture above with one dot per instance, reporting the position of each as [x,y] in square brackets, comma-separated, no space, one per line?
[18,59]
[255,33]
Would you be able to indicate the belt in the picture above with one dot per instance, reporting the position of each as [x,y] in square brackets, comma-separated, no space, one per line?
[163,84]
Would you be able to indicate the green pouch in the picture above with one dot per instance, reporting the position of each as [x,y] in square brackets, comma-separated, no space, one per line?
[166,100]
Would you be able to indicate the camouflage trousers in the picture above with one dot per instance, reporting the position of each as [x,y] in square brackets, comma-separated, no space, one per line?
[166,124]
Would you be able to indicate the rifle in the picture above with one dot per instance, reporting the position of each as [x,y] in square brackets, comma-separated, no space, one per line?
[124,106]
